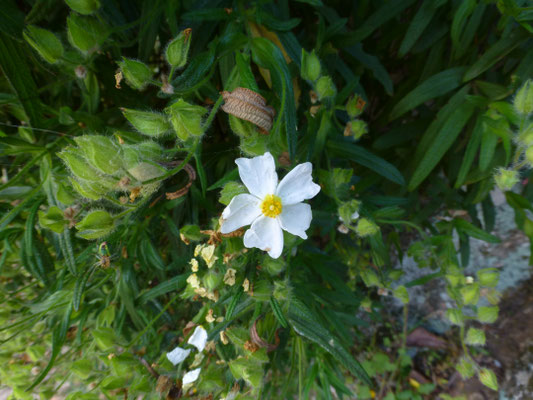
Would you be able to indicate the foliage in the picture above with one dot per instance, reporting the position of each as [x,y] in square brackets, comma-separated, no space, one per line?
[116,157]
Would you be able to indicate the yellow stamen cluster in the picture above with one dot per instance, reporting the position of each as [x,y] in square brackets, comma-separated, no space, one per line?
[271,206]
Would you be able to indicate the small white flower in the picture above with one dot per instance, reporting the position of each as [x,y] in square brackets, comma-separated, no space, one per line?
[270,206]
[191,376]
[198,338]
[178,355]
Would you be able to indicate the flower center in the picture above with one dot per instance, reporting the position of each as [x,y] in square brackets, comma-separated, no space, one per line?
[271,206]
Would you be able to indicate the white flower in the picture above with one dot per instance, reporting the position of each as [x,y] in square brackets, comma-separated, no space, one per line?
[270,206]
[191,376]
[198,338]
[178,355]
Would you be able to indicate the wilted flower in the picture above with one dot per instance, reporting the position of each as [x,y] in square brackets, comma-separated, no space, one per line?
[191,376]
[271,206]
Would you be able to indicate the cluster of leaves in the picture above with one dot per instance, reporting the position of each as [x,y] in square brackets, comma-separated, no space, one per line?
[111,253]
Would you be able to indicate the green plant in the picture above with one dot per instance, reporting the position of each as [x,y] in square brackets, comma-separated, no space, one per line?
[120,127]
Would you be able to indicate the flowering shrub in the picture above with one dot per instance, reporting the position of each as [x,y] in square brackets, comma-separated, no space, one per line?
[127,266]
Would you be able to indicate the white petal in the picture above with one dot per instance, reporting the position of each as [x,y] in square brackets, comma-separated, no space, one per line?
[355,215]
[178,355]
[265,234]
[198,338]
[242,210]
[258,174]
[191,376]
[297,185]
[296,218]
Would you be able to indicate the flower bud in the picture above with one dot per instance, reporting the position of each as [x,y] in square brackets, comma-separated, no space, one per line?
[356,128]
[525,136]
[365,227]
[186,119]
[310,66]
[81,72]
[87,189]
[178,49]
[523,101]
[348,211]
[355,106]
[506,178]
[78,165]
[95,225]
[136,73]
[147,122]
[325,88]
[44,42]
[273,266]
[86,33]
[84,7]
[101,152]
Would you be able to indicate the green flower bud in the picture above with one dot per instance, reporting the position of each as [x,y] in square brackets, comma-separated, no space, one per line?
[325,88]
[355,106]
[136,73]
[86,33]
[145,171]
[186,119]
[273,266]
[525,136]
[310,66]
[88,189]
[84,7]
[241,127]
[44,42]
[488,277]
[95,225]
[506,179]
[255,145]
[356,128]
[178,49]
[212,280]
[53,219]
[523,101]
[147,122]
[365,227]
[101,152]
[150,151]
[78,165]
[348,211]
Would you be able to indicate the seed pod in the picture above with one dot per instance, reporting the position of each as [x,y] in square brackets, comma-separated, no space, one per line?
[251,106]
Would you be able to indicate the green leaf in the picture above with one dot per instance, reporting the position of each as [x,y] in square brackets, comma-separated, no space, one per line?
[15,69]
[387,11]
[374,64]
[470,152]
[11,19]
[53,219]
[95,225]
[488,378]
[450,126]
[269,56]
[459,19]
[45,43]
[475,337]
[306,324]
[360,155]
[79,287]
[494,54]
[473,231]
[435,86]
[487,315]
[418,24]
[196,73]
